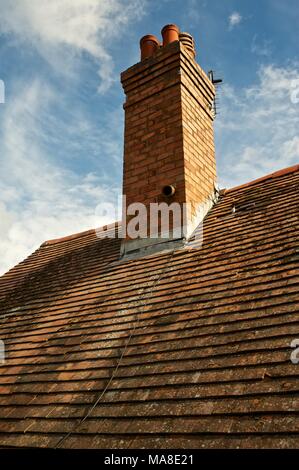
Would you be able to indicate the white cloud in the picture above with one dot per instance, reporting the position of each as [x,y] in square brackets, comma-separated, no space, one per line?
[234,19]
[40,199]
[257,130]
[193,12]
[261,47]
[61,30]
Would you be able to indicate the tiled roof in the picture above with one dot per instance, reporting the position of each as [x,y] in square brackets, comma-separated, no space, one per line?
[179,349]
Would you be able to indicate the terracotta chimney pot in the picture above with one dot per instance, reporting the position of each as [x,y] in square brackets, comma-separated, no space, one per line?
[149,45]
[170,33]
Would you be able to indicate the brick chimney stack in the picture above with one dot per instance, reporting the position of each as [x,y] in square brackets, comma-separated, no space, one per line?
[169,153]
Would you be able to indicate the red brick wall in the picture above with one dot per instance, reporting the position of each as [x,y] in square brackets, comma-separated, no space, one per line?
[168,129]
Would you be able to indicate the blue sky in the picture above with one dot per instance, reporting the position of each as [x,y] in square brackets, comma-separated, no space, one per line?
[61,126]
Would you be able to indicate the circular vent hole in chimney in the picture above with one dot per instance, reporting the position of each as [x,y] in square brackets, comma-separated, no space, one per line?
[168,190]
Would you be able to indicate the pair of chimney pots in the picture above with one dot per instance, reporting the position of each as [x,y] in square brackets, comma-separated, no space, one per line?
[149,44]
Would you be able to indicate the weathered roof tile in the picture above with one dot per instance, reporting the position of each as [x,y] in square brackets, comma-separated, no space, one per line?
[203,335]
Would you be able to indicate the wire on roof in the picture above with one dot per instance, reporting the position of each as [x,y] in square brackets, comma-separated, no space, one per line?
[113,375]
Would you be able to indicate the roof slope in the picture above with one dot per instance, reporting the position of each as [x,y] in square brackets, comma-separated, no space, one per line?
[203,335]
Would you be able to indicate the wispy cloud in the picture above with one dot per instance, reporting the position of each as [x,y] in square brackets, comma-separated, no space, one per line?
[63,30]
[257,130]
[40,198]
[234,20]
[261,47]
[55,155]
[193,11]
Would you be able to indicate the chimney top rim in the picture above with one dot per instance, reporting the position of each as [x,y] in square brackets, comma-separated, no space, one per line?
[170,26]
[149,37]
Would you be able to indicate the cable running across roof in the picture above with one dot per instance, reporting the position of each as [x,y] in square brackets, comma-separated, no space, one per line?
[113,375]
